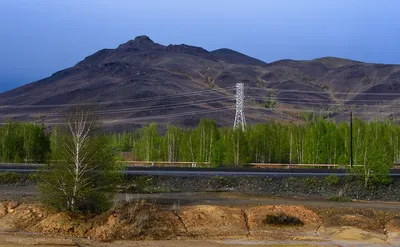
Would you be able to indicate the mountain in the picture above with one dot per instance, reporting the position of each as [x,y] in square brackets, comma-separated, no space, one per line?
[234,57]
[141,81]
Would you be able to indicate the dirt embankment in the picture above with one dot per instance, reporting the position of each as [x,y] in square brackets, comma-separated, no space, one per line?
[145,221]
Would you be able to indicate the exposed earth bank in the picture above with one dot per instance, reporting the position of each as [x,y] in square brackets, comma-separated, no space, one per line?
[140,220]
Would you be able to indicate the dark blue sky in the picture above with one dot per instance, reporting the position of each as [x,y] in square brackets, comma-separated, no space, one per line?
[40,37]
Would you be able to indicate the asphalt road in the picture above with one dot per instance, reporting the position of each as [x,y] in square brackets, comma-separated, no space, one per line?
[180,171]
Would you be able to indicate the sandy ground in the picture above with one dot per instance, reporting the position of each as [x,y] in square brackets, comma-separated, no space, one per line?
[20,239]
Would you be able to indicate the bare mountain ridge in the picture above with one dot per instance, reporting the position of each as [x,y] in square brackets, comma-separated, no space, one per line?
[131,85]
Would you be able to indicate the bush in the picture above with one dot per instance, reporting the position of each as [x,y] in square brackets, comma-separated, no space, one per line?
[283,220]
[332,179]
[142,183]
[340,199]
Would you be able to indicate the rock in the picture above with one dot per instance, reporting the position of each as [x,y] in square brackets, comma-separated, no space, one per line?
[12,205]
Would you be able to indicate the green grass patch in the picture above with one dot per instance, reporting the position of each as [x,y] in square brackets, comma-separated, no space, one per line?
[332,179]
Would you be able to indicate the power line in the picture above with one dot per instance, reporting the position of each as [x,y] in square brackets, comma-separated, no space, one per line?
[320,92]
[178,95]
[313,110]
[293,101]
[157,117]
[162,107]
[321,100]
[299,110]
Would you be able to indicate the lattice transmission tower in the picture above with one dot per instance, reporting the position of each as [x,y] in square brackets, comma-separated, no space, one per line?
[240,120]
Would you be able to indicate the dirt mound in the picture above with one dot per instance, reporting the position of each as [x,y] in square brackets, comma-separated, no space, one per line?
[208,221]
[353,220]
[64,223]
[137,221]
[257,216]
[146,221]
[22,217]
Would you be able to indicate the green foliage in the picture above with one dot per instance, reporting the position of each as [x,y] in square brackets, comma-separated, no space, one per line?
[332,179]
[312,182]
[23,142]
[147,146]
[270,101]
[142,183]
[376,145]
[307,116]
[17,178]
[282,220]
[12,178]
[236,151]
[375,150]
[84,174]
[124,141]
[340,199]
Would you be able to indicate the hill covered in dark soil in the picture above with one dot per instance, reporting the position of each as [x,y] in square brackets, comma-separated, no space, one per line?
[141,81]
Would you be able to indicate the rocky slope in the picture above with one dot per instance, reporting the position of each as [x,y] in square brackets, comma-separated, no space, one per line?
[142,81]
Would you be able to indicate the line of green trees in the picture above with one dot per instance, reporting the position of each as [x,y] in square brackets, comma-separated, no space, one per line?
[23,142]
[376,145]
[317,142]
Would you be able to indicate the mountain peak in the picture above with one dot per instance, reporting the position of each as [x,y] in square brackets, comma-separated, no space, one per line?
[235,57]
[141,41]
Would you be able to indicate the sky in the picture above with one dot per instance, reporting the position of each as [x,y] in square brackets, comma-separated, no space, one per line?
[40,37]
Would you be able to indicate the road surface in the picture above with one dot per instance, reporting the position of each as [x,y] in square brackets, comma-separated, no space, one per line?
[223,172]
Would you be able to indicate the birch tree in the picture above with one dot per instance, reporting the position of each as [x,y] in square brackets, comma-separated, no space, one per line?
[84,173]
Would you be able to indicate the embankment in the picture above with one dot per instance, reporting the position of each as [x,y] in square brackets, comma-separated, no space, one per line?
[145,221]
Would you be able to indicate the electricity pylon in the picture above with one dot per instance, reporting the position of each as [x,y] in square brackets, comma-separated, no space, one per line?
[240,120]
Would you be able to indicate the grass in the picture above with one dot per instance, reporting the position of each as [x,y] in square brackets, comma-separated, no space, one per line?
[283,220]
[14,178]
[340,199]
[332,179]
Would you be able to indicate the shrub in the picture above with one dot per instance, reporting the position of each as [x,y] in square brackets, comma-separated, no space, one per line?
[340,199]
[142,183]
[332,179]
[283,220]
